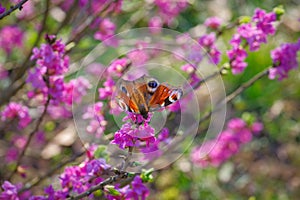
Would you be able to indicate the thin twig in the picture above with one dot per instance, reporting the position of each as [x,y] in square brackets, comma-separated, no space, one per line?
[13,8]
[100,186]
[86,25]
[32,133]
[68,17]
[227,99]
[247,84]
[127,158]
[37,180]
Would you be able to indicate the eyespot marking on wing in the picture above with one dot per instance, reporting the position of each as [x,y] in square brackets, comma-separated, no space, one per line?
[152,85]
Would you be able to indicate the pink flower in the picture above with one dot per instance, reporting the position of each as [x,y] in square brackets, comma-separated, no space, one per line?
[215,152]
[264,21]
[155,24]
[237,55]
[95,69]
[10,37]
[106,29]
[109,88]
[208,40]
[257,127]
[236,124]
[140,54]
[16,111]
[188,68]
[97,121]
[117,67]
[254,34]
[133,132]
[284,59]
[59,111]
[11,154]
[213,22]
[138,189]
[10,191]
[2,9]
[75,90]
[122,138]
[169,9]
[208,43]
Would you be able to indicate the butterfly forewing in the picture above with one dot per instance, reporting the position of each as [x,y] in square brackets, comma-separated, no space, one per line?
[146,94]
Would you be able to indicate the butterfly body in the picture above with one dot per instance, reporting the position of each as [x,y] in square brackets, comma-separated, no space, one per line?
[145,95]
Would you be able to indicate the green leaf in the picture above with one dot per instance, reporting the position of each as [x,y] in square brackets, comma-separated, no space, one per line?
[146,175]
[136,163]
[101,152]
[49,126]
[111,190]
[279,11]
[248,118]
[244,19]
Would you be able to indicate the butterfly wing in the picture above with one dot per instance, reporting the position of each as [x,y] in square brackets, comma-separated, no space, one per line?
[164,96]
[130,96]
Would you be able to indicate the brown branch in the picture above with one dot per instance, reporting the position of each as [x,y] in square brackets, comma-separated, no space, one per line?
[127,158]
[86,24]
[227,99]
[68,17]
[13,8]
[32,133]
[119,175]
[235,93]
[244,86]
[37,180]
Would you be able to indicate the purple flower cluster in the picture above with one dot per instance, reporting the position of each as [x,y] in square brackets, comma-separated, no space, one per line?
[252,34]
[284,59]
[131,134]
[217,151]
[51,63]
[136,190]
[10,191]
[105,29]
[169,9]
[47,79]
[75,178]
[108,89]
[208,43]
[191,50]
[16,111]
[117,67]
[2,9]
[18,142]
[141,54]
[10,37]
[155,24]
[213,23]
[97,122]
[153,150]
[82,177]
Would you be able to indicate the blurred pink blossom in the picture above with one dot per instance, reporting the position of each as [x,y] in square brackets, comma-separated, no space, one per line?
[11,37]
